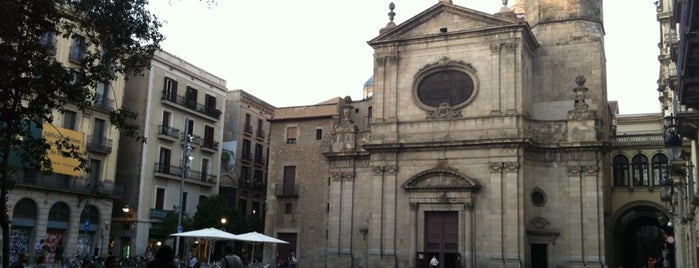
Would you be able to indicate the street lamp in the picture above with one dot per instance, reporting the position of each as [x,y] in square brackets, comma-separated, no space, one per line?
[186,161]
[126,208]
[223,223]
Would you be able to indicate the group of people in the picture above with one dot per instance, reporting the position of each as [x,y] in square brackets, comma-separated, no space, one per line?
[41,254]
[289,262]
[165,258]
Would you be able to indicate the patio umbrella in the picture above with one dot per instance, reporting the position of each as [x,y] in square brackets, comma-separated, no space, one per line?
[255,237]
[208,234]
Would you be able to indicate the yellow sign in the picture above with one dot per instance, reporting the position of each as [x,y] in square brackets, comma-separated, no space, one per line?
[60,163]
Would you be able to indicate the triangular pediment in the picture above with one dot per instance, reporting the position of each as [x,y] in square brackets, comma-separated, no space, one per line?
[440,17]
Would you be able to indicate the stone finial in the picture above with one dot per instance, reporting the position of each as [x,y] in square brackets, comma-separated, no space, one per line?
[391,16]
[580,109]
[445,1]
[505,12]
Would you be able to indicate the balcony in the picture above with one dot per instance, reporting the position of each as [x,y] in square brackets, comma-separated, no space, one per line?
[99,145]
[253,185]
[210,146]
[196,141]
[259,159]
[64,183]
[261,134]
[638,140]
[247,129]
[281,191]
[103,103]
[191,104]
[175,172]
[168,133]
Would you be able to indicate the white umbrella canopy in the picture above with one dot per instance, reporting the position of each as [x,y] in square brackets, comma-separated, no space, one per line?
[207,233]
[256,237]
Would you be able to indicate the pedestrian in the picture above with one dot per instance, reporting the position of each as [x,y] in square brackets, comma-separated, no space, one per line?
[58,255]
[40,262]
[434,263]
[21,261]
[194,262]
[111,262]
[164,258]
[291,262]
[230,260]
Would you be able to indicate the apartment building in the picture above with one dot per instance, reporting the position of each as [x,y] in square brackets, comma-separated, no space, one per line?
[245,153]
[175,100]
[71,206]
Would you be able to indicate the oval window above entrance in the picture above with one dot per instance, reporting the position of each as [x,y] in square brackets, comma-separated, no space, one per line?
[452,87]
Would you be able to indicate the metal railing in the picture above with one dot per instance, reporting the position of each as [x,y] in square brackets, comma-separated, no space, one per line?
[99,144]
[65,183]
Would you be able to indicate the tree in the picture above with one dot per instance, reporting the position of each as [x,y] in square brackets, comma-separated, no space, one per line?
[211,210]
[120,37]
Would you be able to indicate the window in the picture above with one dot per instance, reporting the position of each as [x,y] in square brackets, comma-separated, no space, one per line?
[259,156]
[190,127]
[70,120]
[48,40]
[209,136]
[660,165]
[287,209]
[640,170]
[159,198]
[248,127]
[319,133]
[77,49]
[291,133]
[621,171]
[289,185]
[99,131]
[102,95]
[243,206]
[205,169]
[452,87]
[95,171]
[210,104]
[191,98]
[170,89]
[164,161]
[247,154]
[258,177]
[245,175]
[166,119]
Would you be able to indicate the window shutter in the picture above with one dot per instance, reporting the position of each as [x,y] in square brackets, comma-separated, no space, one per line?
[291,133]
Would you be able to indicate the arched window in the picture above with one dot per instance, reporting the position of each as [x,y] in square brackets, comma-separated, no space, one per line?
[621,171]
[660,165]
[640,170]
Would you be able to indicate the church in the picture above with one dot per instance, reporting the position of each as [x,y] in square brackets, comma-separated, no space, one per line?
[483,141]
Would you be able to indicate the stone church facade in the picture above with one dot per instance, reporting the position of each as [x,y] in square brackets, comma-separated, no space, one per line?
[484,144]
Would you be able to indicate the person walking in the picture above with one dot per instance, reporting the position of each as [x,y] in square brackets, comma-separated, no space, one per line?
[58,255]
[164,258]
[21,261]
[434,263]
[230,260]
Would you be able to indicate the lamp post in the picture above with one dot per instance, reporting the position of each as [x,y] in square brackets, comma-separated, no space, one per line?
[186,159]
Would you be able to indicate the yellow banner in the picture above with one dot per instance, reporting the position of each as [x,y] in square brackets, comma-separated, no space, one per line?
[61,164]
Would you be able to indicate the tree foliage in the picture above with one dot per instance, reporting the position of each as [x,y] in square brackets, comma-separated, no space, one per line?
[212,209]
[120,38]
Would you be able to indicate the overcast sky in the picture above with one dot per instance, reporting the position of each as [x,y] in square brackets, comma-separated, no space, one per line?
[292,53]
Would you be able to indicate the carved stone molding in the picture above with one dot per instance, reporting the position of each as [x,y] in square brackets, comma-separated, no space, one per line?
[547,132]
[495,166]
[494,47]
[380,170]
[442,112]
[446,62]
[510,47]
[586,170]
[380,61]
[342,176]
[511,166]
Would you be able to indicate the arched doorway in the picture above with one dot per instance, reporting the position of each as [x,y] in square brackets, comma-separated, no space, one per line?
[640,232]
[23,223]
[59,220]
[89,219]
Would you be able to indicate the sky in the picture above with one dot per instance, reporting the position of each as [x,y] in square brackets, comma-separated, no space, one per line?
[294,53]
